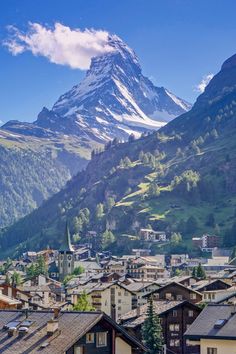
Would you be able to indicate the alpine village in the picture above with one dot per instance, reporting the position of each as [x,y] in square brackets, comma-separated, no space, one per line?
[117,205]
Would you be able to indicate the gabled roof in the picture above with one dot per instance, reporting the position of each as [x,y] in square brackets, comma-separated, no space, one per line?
[138,286]
[90,287]
[136,317]
[170,284]
[72,326]
[226,298]
[207,325]
[200,285]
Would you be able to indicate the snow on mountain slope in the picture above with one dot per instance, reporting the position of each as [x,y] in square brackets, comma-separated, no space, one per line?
[113,100]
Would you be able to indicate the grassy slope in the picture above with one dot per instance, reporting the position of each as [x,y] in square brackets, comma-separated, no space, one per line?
[214,114]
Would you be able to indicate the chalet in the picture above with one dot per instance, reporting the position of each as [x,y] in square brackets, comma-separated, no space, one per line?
[145,268]
[82,253]
[214,290]
[112,298]
[175,316]
[139,289]
[113,266]
[65,333]
[214,330]
[176,292]
[186,280]
[210,285]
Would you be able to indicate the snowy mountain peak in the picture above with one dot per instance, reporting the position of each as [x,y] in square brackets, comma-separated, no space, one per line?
[122,48]
[113,100]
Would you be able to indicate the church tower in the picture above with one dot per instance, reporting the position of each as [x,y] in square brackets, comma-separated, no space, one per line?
[66,256]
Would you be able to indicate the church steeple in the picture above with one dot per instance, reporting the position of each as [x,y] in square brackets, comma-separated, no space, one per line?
[66,245]
[66,256]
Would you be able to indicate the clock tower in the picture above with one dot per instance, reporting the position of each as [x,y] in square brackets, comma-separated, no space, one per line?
[66,256]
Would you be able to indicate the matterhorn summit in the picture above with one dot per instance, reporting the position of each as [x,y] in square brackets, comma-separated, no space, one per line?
[113,100]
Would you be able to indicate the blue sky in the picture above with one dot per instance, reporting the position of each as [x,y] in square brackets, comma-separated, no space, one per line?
[177,42]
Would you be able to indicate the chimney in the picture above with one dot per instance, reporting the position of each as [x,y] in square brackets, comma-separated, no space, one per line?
[138,311]
[11,331]
[22,331]
[56,312]
[52,327]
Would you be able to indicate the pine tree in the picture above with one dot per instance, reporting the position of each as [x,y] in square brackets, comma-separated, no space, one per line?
[41,267]
[99,211]
[152,331]
[194,272]
[200,272]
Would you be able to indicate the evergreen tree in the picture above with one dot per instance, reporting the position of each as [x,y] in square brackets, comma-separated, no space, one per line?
[41,267]
[126,162]
[131,137]
[194,272]
[153,190]
[152,331]
[211,220]
[99,211]
[200,272]
[141,154]
[107,238]
[110,203]
[121,164]
[191,225]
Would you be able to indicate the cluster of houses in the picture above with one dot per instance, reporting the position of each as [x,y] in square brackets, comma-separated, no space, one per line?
[197,315]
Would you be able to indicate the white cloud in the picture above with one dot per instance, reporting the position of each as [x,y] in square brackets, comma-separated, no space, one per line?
[60,44]
[204,82]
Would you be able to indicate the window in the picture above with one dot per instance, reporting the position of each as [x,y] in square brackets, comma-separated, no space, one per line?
[190,313]
[179,297]
[119,301]
[175,313]
[211,350]
[174,327]
[174,343]
[193,296]
[101,339]
[119,293]
[168,296]
[78,349]
[188,342]
[90,338]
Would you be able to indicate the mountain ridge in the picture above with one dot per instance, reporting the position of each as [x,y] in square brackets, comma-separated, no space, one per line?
[112,101]
[167,179]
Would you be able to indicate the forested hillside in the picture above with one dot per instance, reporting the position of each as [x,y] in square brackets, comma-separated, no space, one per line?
[179,179]
[33,169]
